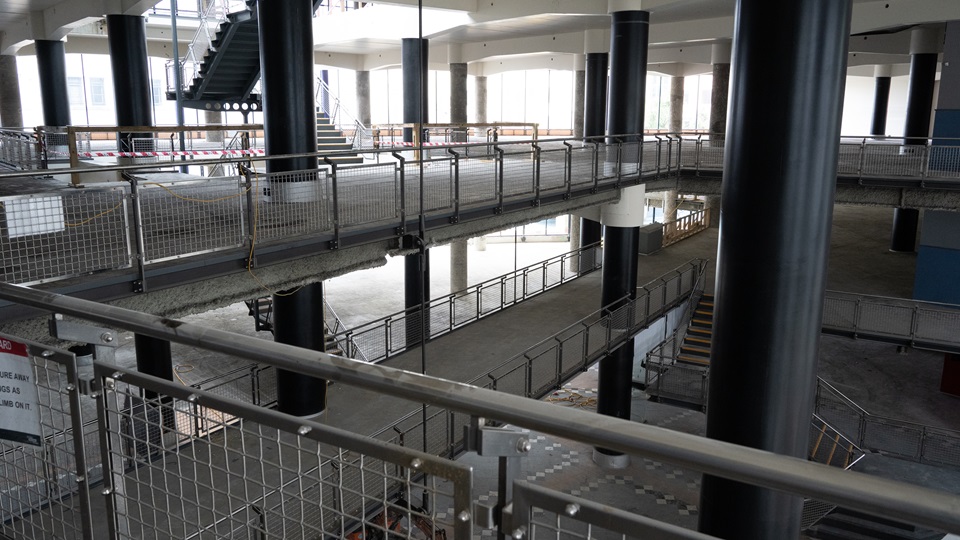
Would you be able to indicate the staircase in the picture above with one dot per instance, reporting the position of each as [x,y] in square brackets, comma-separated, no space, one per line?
[695,349]
[261,310]
[843,524]
[230,68]
[331,140]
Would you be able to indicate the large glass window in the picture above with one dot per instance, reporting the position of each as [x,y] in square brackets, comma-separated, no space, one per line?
[98,94]
[539,92]
[75,91]
[560,115]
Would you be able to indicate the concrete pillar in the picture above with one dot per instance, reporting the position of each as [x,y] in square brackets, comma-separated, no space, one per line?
[881,98]
[791,60]
[579,85]
[11,110]
[127,38]
[628,73]
[676,104]
[213,118]
[920,88]
[363,97]
[286,67]
[670,211]
[574,242]
[720,58]
[458,266]
[298,320]
[458,99]
[713,205]
[481,87]
[415,60]
[52,67]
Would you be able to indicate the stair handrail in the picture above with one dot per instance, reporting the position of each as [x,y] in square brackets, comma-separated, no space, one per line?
[236,143]
[336,331]
[340,115]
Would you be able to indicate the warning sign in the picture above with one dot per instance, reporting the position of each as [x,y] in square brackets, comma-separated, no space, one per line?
[19,400]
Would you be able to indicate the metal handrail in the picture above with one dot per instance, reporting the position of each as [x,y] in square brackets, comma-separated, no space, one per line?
[447,303]
[870,494]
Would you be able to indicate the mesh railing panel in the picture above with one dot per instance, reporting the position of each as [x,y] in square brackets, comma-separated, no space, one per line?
[368,194]
[938,325]
[943,162]
[886,319]
[518,173]
[582,165]
[250,479]
[437,186]
[848,162]
[839,312]
[46,237]
[181,219]
[553,169]
[892,438]
[292,204]
[478,180]
[893,160]
[40,492]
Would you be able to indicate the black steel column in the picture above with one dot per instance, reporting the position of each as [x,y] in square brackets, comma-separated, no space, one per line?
[881,99]
[127,38]
[415,292]
[628,73]
[916,129]
[415,60]
[52,66]
[595,95]
[788,75]
[594,125]
[153,358]
[298,320]
[286,67]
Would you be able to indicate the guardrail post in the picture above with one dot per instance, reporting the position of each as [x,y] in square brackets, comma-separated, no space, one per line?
[251,209]
[74,156]
[619,162]
[499,179]
[529,390]
[335,243]
[559,358]
[596,167]
[857,310]
[456,186]
[699,153]
[402,228]
[863,157]
[914,324]
[140,285]
[536,174]
[567,167]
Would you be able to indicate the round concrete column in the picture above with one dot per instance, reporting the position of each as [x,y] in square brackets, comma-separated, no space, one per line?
[579,85]
[11,109]
[363,97]
[458,99]
[719,95]
[676,104]
[480,84]
[458,266]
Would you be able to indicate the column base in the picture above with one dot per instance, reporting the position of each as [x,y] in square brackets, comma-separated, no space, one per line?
[610,461]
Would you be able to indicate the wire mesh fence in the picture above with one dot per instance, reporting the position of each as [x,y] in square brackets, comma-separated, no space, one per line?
[258,473]
[44,472]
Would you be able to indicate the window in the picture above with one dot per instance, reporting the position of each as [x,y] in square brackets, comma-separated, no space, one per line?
[75,91]
[97,92]
[155,86]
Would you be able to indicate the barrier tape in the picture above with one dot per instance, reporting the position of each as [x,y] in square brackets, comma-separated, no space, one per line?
[255,151]
[401,143]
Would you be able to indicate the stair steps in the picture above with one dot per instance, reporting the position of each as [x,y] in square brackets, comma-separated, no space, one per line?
[330,140]
[695,349]
[844,524]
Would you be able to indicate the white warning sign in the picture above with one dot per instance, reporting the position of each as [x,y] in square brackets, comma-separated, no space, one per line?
[19,400]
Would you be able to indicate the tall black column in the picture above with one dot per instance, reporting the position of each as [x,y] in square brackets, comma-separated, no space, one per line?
[595,95]
[52,66]
[628,72]
[298,320]
[594,125]
[127,38]
[789,67]
[881,98]
[286,67]
[153,358]
[916,129]
[415,292]
[414,64]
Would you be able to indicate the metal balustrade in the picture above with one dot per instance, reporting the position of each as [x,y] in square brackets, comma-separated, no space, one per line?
[21,150]
[257,471]
[389,336]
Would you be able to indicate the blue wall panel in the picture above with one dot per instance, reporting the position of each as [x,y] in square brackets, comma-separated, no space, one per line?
[937,277]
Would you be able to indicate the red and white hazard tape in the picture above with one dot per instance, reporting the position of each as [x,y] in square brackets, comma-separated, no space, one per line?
[402,143]
[255,151]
